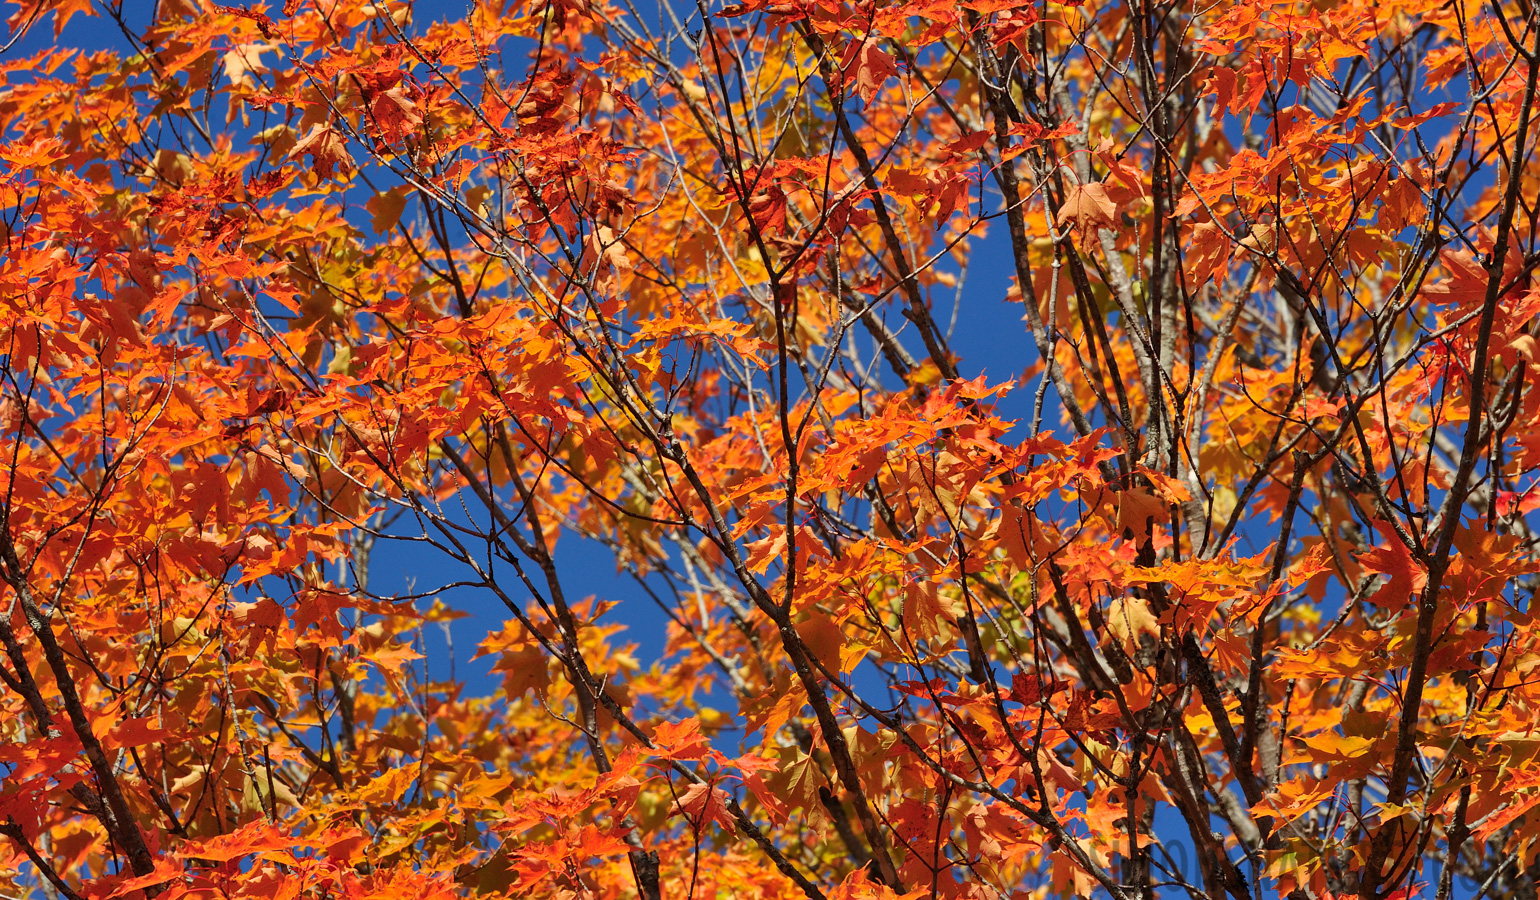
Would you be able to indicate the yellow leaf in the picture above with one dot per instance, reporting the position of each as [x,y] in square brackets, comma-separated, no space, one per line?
[1130,620]
[386,208]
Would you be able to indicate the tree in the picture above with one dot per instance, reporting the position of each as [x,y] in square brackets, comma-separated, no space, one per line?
[1219,582]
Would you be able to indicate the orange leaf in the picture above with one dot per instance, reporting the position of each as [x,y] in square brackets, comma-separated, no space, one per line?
[704,804]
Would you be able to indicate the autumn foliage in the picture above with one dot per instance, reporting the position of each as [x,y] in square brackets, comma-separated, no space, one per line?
[1211,576]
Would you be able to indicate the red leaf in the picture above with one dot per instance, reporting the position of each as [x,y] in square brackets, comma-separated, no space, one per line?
[681,741]
[703,804]
[870,66]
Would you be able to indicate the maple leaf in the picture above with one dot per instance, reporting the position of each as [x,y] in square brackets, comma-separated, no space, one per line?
[704,804]
[765,551]
[681,740]
[136,733]
[395,112]
[869,66]
[252,838]
[1513,808]
[63,10]
[1028,690]
[1131,622]
[1405,577]
[1089,207]
[1294,798]
[245,60]
[1209,254]
[327,149]
[385,209]
[165,870]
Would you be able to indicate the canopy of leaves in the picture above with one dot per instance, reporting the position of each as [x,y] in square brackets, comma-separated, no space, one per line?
[1222,588]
